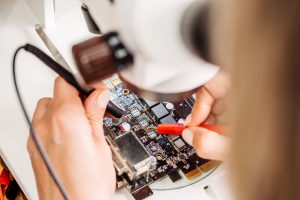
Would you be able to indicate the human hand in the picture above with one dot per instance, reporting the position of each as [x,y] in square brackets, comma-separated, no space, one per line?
[209,108]
[72,134]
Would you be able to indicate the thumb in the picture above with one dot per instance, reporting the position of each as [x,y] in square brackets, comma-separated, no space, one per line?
[207,144]
[202,107]
[95,106]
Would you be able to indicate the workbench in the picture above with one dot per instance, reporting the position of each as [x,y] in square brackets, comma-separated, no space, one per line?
[17,22]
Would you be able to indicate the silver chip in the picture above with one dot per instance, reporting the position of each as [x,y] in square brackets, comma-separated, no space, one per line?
[179,143]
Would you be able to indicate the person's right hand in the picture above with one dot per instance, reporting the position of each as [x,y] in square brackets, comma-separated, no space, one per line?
[209,109]
[72,135]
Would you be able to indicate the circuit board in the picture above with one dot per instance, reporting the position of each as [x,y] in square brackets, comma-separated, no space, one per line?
[140,154]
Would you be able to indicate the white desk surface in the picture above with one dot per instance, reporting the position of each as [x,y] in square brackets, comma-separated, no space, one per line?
[16,28]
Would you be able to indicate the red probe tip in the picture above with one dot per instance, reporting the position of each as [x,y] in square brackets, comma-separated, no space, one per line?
[173,129]
[177,129]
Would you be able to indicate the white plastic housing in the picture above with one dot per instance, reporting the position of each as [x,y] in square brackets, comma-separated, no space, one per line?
[151,30]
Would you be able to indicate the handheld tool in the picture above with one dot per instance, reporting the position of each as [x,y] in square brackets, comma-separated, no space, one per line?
[68,76]
[177,129]
[62,68]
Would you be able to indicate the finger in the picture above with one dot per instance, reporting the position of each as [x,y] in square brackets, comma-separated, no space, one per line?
[42,177]
[95,106]
[211,119]
[31,147]
[202,107]
[41,109]
[218,87]
[219,107]
[206,97]
[63,91]
[208,144]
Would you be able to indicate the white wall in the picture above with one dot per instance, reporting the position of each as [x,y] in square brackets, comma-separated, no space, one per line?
[44,11]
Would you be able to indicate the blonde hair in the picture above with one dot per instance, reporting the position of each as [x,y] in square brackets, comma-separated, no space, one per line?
[261,49]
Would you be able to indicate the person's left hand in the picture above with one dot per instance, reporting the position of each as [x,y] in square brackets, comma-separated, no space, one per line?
[209,108]
[72,134]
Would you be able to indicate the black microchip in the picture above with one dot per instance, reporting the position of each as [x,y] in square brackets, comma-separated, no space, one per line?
[164,143]
[160,111]
[169,149]
[193,157]
[184,108]
[168,120]
[127,101]
[142,193]
[174,176]
[151,103]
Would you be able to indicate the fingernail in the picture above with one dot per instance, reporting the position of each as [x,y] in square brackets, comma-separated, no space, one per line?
[188,135]
[188,119]
[103,98]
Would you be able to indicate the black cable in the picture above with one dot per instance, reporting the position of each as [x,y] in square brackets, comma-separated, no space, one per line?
[68,76]
[60,70]
[34,135]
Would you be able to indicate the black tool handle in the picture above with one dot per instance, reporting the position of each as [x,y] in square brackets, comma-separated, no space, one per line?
[68,76]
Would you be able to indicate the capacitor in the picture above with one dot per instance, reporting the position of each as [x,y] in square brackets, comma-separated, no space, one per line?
[159,156]
[114,110]
[169,106]
[125,91]
[153,162]
[181,121]
[125,127]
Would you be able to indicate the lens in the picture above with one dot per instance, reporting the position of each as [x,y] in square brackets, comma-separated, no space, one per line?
[195,29]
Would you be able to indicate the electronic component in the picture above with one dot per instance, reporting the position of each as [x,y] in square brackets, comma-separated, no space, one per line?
[174,176]
[152,134]
[169,106]
[173,137]
[125,91]
[165,144]
[144,120]
[127,101]
[107,121]
[183,109]
[141,155]
[144,139]
[135,110]
[179,143]
[159,111]
[116,81]
[153,148]
[151,103]
[142,193]
[125,126]
[144,123]
[181,121]
[159,156]
[135,113]
[114,110]
[168,120]
[133,151]
[153,162]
